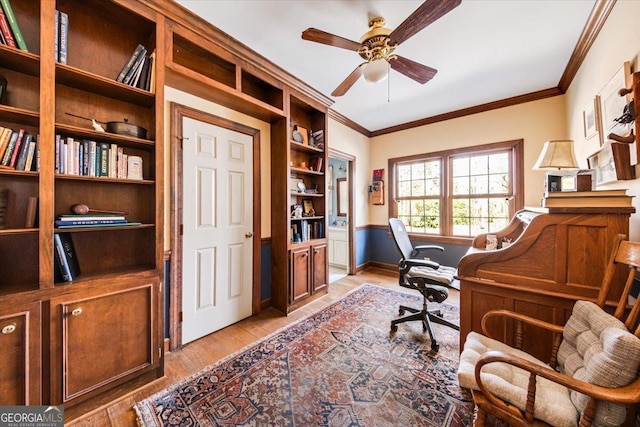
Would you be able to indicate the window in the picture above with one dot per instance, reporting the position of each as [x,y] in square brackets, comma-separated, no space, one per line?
[458,193]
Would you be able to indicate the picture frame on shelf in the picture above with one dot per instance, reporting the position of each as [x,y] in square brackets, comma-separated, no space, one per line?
[300,135]
[307,207]
[590,119]
[611,104]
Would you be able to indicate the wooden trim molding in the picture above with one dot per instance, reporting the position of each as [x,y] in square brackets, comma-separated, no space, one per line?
[349,123]
[599,15]
[178,112]
[507,102]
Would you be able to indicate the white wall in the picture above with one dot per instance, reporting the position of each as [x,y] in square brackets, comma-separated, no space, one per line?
[618,41]
[179,97]
[535,122]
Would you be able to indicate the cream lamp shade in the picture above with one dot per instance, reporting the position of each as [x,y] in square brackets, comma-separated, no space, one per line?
[557,154]
[376,70]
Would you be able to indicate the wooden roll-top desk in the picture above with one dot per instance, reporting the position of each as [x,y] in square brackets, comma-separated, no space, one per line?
[553,260]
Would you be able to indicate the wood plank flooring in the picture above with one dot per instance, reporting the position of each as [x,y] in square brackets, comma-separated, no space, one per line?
[197,355]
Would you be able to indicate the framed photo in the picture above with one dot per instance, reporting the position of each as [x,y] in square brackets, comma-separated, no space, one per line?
[590,118]
[301,135]
[602,162]
[307,207]
[612,104]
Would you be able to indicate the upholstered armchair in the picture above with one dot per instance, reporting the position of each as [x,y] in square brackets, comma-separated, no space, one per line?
[592,376]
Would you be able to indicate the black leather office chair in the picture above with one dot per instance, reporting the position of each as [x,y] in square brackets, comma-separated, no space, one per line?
[431,279]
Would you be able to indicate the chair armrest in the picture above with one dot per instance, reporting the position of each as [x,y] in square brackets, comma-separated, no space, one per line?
[421,248]
[522,318]
[412,262]
[629,394]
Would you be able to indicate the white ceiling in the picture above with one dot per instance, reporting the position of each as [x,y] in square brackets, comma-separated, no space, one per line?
[484,50]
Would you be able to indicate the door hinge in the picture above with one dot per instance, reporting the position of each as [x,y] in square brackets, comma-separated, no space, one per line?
[159,352]
[160,288]
[180,317]
[181,229]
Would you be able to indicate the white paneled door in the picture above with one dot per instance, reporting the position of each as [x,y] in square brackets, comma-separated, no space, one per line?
[217,235]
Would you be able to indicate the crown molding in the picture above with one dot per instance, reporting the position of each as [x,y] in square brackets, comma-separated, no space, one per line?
[597,18]
[507,102]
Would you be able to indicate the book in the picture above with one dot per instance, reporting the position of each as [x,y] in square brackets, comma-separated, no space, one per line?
[5,135]
[32,209]
[63,33]
[33,146]
[134,68]
[118,224]
[595,193]
[5,29]
[144,74]
[89,216]
[24,150]
[104,159]
[67,260]
[130,62]
[13,23]
[6,199]
[151,84]
[587,201]
[75,223]
[56,40]
[17,148]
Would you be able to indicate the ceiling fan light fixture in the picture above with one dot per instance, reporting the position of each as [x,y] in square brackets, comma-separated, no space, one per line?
[376,70]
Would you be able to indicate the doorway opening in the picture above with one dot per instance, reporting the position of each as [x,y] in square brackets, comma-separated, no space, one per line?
[341,224]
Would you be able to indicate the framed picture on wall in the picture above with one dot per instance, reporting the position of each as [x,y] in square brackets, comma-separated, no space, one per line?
[612,104]
[590,118]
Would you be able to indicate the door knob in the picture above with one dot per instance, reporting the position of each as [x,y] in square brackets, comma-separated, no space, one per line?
[248,234]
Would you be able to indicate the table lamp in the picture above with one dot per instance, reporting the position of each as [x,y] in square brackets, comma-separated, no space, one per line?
[558,155]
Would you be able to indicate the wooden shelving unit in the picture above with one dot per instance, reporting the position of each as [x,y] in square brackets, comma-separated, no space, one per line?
[62,327]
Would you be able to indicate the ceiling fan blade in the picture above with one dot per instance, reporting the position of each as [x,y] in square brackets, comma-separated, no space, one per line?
[349,81]
[429,12]
[319,36]
[413,70]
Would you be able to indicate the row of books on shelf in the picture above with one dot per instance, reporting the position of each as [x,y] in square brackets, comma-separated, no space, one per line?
[10,33]
[305,230]
[18,150]
[66,264]
[95,159]
[93,220]
[596,198]
[139,70]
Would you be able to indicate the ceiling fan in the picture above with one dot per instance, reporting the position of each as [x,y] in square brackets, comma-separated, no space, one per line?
[377,45]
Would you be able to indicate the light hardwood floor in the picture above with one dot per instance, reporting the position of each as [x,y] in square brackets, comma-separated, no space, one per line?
[197,355]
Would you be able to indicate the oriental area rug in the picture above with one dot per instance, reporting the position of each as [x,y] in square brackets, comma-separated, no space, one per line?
[338,367]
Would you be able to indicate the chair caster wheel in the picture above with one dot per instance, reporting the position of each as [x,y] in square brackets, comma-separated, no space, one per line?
[401,312]
[394,328]
[435,347]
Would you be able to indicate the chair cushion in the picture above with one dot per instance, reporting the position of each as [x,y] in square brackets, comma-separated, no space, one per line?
[597,348]
[553,401]
[444,274]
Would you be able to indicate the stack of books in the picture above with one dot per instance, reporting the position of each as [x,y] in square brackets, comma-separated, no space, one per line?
[92,220]
[587,199]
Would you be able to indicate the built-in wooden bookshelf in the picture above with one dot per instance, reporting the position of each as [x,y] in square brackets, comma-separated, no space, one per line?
[56,330]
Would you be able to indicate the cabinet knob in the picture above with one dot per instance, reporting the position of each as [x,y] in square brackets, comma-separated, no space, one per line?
[248,234]
[76,311]
[9,328]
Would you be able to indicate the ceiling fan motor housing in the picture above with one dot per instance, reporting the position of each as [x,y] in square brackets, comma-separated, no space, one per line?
[375,42]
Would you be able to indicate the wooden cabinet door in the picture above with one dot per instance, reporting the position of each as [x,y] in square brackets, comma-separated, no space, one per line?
[319,267]
[299,263]
[106,340]
[20,367]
